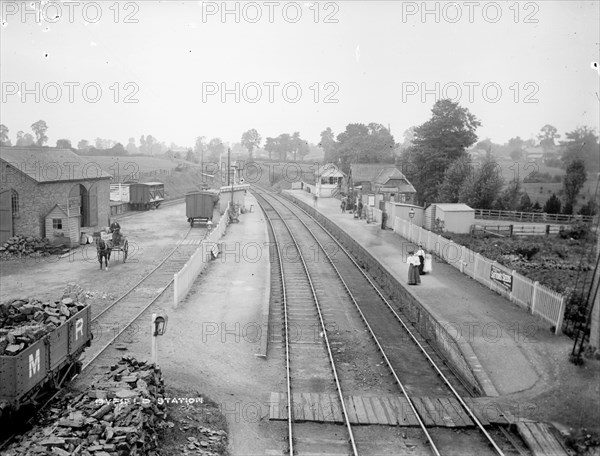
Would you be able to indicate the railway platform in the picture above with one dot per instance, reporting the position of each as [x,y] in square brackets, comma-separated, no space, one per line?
[507,349]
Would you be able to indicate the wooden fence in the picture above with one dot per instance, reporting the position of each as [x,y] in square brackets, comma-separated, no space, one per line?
[537,217]
[538,299]
[516,230]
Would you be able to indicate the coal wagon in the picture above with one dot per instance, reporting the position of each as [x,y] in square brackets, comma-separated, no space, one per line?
[146,195]
[44,365]
[200,205]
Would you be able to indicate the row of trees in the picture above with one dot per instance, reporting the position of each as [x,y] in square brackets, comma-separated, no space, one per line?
[38,138]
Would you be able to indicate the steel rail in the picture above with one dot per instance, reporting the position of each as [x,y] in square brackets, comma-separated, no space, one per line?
[325,337]
[127,293]
[416,341]
[285,336]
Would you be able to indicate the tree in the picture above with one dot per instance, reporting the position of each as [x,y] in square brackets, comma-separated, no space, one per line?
[251,140]
[536,207]
[361,143]
[216,148]
[510,198]
[40,128]
[63,144]
[573,182]
[131,147]
[552,205]
[4,141]
[437,143]
[191,156]
[547,136]
[284,145]
[516,154]
[271,146]
[525,203]
[83,144]
[143,147]
[589,208]
[454,177]
[299,146]
[481,188]
[117,150]
[25,139]
[328,144]
[582,143]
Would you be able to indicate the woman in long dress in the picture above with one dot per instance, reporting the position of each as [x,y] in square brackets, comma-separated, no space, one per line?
[413,269]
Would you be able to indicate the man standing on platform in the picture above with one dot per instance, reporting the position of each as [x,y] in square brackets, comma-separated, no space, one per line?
[384,218]
[421,255]
[360,209]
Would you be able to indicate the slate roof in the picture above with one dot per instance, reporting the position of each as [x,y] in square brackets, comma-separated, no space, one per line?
[49,164]
[380,173]
[454,207]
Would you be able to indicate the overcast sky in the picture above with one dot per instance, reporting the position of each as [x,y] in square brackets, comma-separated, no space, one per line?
[353,61]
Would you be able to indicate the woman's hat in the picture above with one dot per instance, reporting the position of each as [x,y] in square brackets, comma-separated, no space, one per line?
[411,252]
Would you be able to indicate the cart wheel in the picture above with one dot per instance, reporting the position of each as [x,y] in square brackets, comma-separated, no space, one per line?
[125,250]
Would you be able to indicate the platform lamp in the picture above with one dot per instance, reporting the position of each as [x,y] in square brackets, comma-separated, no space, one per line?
[411,215]
[159,327]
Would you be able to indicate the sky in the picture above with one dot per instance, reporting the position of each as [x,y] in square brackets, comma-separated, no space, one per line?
[179,70]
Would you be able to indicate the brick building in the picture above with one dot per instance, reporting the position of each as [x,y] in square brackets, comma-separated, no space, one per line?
[37,185]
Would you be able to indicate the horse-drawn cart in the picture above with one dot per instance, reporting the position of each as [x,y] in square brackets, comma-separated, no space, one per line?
[105,246]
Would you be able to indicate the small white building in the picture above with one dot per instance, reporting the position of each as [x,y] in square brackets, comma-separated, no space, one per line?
[456,217]
[326,182]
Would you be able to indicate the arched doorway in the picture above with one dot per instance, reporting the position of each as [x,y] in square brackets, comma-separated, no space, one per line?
[78,203]
[85,203]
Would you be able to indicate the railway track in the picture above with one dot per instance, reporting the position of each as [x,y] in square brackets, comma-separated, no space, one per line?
[414,366]
[302,311]
[110,323]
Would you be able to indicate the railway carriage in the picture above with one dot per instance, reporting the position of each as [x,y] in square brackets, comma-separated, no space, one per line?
[146,195]
[200,205]
[45,365]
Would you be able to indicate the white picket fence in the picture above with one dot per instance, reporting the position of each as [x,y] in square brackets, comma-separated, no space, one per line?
[184,279]
[538,299]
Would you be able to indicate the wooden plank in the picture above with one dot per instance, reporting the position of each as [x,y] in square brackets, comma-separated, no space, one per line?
[434,406]
[546,439]
[283,406]
[325,402]
[369,409]
[379,410]
[298,407]
[454,415]
[337,409]
[479,409]
[308,408]
[274,406]
[423,412]
[390,412]
[318,407]
[361,413]
[530,440]
[408,416]
[464,415]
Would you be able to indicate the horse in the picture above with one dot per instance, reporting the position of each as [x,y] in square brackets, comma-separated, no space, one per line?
[103,249]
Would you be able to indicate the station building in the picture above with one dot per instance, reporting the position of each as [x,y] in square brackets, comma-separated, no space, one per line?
[52,193]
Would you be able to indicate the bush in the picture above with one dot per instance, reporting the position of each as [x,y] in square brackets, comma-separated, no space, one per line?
[579,230]
[527,251]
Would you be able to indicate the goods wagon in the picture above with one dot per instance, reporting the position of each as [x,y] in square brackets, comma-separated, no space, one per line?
[199,206]
[146,195]
[44,365]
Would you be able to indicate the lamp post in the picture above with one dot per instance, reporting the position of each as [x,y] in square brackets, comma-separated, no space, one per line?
[159,327]
[411,215]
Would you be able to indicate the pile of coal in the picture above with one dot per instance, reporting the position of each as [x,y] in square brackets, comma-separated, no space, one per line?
[118,415]
[19,246]
[23,321]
